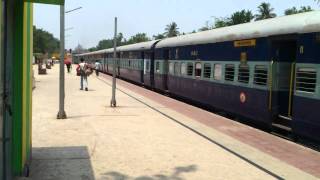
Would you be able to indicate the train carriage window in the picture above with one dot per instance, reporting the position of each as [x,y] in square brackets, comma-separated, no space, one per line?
[148,66]
[261,75]
[184,69]
[171,68]
[229,72]
[158,67]
[207,70]
[244,74]
[198,69]
[306,80]
[190,69]
[177,68]
[177,53]
[217,72]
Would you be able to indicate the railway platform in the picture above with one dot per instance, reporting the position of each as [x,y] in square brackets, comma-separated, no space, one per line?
[150,136]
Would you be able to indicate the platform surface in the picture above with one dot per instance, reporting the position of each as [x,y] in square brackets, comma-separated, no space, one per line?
[150,137]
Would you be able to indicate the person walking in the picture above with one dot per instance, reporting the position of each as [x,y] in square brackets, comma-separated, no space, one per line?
[97,67]
[68,64]
[82,68]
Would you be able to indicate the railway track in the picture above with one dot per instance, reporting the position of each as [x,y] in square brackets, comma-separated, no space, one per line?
[256,165]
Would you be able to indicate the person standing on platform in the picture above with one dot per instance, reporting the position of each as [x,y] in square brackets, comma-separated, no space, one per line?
[68,64]
[97,67]
[83,75]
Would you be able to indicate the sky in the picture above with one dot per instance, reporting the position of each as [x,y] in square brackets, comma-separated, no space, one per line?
[95,21]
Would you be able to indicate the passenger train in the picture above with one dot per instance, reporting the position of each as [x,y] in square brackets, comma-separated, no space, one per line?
[265,71]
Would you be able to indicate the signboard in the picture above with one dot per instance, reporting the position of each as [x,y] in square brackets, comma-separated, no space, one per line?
[245,43]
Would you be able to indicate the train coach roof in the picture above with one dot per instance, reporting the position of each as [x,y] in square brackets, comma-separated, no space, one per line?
[131,47]
[299,23]
[92,53]
[139,46]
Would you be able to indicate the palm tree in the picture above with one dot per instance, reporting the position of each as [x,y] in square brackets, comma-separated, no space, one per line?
[294,10]
[265,11]
[171,30]
[291,11]
[240,17]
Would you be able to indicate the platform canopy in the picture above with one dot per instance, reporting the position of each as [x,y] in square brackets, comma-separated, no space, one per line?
[57,2]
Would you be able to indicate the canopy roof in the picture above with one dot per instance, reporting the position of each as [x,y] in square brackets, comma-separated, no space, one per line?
[57,2]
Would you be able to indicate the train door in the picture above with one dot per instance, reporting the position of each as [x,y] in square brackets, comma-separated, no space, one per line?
[165,68]
[284,52]
[143,68]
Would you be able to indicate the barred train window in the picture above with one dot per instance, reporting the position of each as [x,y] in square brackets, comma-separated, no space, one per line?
[171,68]
[198,69]
[229,72]
[306,80]
[176,68]
[244,74]
[147,65]
[183,68]
[261,75]
[217,72]
[158,67]
[190,69]
[207,70]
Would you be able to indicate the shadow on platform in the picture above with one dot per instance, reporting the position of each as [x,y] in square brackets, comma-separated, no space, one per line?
[71,163]
[175,175]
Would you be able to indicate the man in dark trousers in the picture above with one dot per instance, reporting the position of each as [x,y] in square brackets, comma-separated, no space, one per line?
[84,78]
[68,63]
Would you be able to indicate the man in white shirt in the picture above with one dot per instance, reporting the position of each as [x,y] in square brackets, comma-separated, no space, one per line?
[83,76]
[97,67]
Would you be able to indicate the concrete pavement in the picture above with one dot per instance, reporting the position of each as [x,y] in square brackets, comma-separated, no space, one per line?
[132,141]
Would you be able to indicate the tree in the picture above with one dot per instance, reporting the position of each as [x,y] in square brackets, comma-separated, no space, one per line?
[158,36]
[290,11]
[240,17]
[206,27]
[44,42]
[265,11]
[108,43]
[221,22]
[171,30]
[105,44]
[294,10]
[140,37]
[92,49]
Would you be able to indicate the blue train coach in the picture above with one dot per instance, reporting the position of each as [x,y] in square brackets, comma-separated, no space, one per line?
[267,71]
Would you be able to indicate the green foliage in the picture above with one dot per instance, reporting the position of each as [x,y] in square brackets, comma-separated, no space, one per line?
[105,44]
[171,30]
[158,36]
[240,17]
[92,49]
[206,27]
[265,11]
[140,37]
[294,10]
[44,42]
[108,43]
[221,22]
